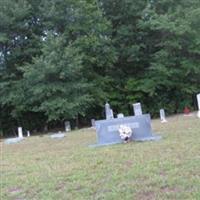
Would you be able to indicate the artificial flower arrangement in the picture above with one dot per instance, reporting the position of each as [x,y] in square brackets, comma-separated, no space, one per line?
[125,133]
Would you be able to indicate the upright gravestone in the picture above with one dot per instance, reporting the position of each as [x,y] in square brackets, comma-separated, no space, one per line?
[93,123]
[28,133]
[17,139]
[162,116]
[120,115]
[108,111]
[20,133]
[67,126]
[108,130]
[198,103]
[137,109]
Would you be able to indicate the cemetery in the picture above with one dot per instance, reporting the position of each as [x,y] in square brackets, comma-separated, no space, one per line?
[99,100]
[67,167]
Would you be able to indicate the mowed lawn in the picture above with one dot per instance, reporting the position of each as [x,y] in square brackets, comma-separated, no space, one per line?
[41,168]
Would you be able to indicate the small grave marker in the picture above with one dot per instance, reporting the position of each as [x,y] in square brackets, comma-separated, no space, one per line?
[137,109]
[58,135]
[67,126]
[28,133]
[20,133]
[120,115]
[93,123]
[198,103]
[162,116]
[108,111]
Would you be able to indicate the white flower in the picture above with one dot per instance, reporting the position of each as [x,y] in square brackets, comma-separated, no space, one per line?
[125,132]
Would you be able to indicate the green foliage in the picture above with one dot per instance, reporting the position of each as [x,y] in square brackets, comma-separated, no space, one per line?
[58,88]
[62,59]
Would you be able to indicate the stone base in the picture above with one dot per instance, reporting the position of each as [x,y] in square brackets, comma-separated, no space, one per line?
[198,114]
[13,140]
[58,136]
[152,138]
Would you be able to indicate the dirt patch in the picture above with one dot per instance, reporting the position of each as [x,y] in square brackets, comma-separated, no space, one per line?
[149,195]
[168,189]
[129,163]
[60,186]
[163,174]
[15,190]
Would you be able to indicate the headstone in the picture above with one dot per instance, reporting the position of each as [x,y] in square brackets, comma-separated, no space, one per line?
[120,115]
[58,135]
[198,103]
[93,123]
[13,140]
[108,111]
[67,126]
[137,109]
[108,130]
[46,128]
[20,133]
[187,112]
[28,133]
[162,116]
[111,114]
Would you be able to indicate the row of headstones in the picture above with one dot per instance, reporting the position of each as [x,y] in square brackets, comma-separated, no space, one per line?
[109,112]
[20,131]
[138,111]
[137,108]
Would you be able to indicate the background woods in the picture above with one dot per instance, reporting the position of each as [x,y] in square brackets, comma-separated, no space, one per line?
[62,59]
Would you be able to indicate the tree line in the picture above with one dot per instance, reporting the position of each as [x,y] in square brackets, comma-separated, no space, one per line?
[63,59]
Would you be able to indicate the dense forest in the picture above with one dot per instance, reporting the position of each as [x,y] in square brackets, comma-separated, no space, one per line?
[63,59]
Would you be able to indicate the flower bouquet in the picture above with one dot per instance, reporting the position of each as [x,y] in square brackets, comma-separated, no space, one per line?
[125,133]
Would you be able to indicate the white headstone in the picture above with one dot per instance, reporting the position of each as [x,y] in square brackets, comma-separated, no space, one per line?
[120,115]
[108,111]
[162,116]
[137,109]
[67,126]
[198,103]
[28,133]
[20,133]
[111,114]
[93,122]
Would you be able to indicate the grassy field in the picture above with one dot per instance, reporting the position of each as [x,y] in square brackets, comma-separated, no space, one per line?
[40,168]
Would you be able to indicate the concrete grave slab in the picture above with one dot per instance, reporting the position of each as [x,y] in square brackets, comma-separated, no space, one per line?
[13,140]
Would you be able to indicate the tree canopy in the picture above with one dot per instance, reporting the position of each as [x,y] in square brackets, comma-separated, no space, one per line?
[63,59]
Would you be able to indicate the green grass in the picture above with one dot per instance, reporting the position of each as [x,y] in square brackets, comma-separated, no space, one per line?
[40,168]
